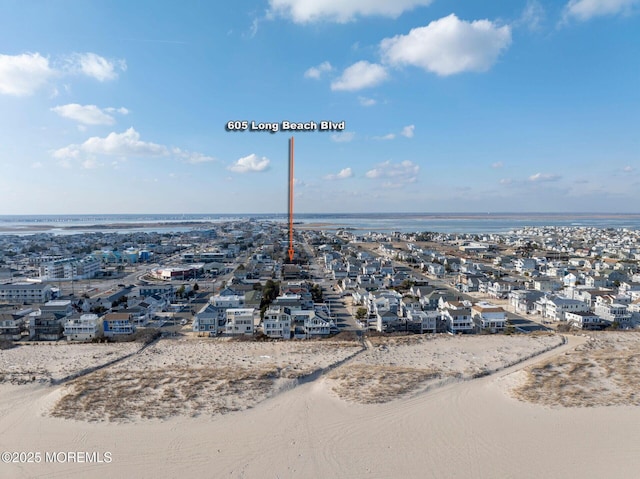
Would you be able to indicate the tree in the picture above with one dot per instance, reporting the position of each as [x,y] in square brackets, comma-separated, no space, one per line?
[180,291]
[361,313]
[196,287]
[270,292]
[316,293]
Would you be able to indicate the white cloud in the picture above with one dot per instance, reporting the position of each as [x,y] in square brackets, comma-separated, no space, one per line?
[497,164]
[408,130]
[123,144]
[250,163]
[389,136]
[22,75]
[64,163]
[628,169]
[448,46]
[192,157]
[341,11]
[532,15]
[95,66]
[300,183]
[506,181]
[90,164]
[342,175]
[36,165]
[541,177]
[360,75]
[121,110]
[343,137]
[586,9]
[86,114]
[399,173]
[364,101]
[316,72]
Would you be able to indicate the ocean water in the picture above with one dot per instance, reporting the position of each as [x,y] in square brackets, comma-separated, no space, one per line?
[473,223]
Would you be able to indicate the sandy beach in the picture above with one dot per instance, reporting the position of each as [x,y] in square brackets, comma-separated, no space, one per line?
[463,427]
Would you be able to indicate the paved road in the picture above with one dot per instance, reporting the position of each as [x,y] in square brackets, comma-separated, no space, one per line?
[342,316]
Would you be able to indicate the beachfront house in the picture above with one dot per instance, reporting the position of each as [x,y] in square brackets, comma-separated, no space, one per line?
[609,309]
[585,320]
[45,326]
[316,326]
[277,323]
[488,317]
[240,321]
[209,319]
[12,326]
[83,327]
[422,321]
[118,324]
[458,320]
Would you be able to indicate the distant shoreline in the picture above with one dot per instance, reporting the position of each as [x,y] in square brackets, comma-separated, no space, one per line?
[461,223]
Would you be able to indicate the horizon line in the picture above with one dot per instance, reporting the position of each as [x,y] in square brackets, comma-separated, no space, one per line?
[453,213]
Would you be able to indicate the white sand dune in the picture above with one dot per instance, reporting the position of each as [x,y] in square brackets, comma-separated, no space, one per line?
[469,429]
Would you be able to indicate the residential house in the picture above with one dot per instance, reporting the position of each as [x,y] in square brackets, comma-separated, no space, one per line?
[488,317]
[523,300]
[317,326]
[426,320]
[387,321]
[118,324]
[609,310]
[547,285]
[525,265]
[240,321]
[458,320]
[83,327]
[45,326]
[209,319]
[408,304]
[277,323]
[585,320]
[555,307]
[500,289]
[12,326]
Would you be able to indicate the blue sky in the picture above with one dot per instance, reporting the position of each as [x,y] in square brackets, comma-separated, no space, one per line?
[449,106]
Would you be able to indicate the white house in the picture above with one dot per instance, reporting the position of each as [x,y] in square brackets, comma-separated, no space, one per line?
[277,323]
[240,321]
[488,317]
[612,311]
[228,301]
[555,307]
[525,265]
[315,326]
[458,320]
[427,319]
[83,328]
[584,320]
